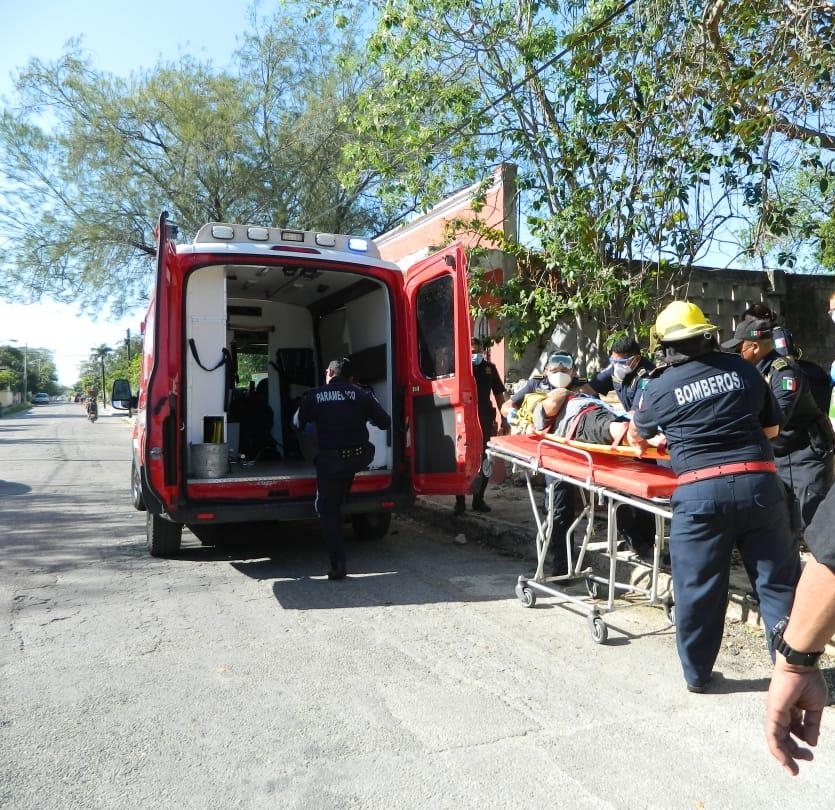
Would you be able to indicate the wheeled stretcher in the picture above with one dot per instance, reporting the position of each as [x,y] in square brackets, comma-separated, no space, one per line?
[603,479]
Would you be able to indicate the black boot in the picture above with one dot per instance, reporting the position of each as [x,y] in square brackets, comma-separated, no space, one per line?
[479,505]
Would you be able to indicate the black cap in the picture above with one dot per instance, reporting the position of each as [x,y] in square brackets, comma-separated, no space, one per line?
[749,330]
[341,367]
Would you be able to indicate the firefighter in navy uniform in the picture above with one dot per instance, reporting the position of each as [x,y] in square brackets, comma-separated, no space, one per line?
[489,387]
[718,416]
[804,448]
[340,410]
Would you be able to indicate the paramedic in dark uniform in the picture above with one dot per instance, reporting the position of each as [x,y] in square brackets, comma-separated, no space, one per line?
[798,692]
[718,417]
[489,387]
[803,450]
[559,373]
[627,373]
[340,411]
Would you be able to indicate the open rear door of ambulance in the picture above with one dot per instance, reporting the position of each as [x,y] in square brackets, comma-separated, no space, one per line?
[444,435]
[163,456]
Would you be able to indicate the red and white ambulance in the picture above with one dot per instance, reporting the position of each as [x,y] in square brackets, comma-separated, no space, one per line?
[244,304]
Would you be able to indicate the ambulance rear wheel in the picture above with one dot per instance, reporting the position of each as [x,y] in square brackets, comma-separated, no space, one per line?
[599,631]
[372,526]
[164,537]
[136,487]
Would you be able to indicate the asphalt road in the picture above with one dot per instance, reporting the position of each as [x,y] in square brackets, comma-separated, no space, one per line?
[242,678]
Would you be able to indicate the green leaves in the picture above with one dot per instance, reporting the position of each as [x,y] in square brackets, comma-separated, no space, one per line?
[89,159]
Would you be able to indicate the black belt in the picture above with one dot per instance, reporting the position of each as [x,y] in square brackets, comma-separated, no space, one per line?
[344,452]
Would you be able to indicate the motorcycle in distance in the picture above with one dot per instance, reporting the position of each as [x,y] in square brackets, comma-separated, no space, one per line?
[92,409]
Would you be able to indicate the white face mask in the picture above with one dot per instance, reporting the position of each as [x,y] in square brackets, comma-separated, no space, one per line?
[559,379]
[620,372]
[832,316]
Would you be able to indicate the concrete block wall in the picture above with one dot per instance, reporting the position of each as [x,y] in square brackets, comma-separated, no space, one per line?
[800,300]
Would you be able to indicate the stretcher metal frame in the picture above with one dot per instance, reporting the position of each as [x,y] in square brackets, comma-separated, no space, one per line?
[602,479]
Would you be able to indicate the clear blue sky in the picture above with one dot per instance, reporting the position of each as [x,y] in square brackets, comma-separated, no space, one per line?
[120,37]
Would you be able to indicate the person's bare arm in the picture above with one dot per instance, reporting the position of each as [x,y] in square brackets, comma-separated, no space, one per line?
[798,694]
[636,440]
[554,402]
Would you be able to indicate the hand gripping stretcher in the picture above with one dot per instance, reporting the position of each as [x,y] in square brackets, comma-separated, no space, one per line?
[604,479]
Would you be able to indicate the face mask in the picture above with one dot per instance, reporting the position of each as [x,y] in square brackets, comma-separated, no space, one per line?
[477,358]
[620,372]
[559,379]
[832,316]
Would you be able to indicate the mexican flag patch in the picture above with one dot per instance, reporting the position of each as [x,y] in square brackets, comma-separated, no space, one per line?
[788,384]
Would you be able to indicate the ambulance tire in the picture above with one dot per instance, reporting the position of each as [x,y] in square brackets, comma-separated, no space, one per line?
[136,487]
[164,537]
[371,526]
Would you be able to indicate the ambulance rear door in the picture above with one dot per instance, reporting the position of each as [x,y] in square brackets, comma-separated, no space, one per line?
[443,435]
[163,457]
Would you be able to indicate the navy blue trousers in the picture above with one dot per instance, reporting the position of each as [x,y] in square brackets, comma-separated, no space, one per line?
[710,517]
[334,478]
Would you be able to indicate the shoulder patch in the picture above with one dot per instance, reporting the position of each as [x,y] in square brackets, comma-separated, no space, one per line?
[780,364]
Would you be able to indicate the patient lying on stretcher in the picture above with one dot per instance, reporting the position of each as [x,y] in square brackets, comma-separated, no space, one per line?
[580,417]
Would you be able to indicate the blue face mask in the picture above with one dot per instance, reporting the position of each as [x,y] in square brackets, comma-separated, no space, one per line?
[477,358]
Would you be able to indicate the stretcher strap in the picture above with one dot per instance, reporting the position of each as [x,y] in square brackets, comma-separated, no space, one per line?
[574,422]
[619,430]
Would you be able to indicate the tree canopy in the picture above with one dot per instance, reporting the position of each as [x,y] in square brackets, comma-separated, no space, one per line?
[646,135]
[90,159]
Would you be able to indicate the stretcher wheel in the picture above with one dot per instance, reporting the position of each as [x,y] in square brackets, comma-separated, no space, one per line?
[591,587]
[526,595]
[599,631]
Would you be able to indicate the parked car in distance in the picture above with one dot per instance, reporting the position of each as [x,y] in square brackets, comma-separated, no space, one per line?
[40,399]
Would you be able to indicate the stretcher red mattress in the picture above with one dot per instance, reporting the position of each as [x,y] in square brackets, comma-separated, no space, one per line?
[627,475]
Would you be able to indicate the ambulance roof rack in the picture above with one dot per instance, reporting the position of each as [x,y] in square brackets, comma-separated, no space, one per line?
[307,241]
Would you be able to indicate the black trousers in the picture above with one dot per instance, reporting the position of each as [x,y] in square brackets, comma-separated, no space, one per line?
[808,477]
[565,513]
[479,484]
[334,477]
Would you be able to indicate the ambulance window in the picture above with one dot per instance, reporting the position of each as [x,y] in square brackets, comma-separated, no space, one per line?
[436,328]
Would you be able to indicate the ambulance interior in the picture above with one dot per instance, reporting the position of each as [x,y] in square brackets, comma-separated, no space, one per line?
[258,337]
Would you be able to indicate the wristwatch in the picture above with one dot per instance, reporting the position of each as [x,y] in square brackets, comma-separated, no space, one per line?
[803,659]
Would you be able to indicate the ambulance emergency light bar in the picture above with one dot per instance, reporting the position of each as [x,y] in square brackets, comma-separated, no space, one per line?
[218,232]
